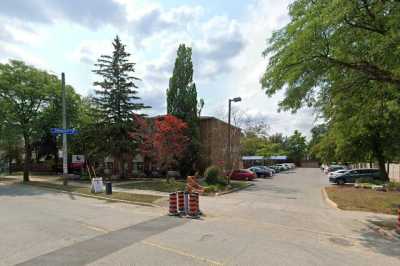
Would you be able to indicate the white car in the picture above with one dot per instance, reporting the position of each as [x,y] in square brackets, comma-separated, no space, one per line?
[338,172]
[291,165]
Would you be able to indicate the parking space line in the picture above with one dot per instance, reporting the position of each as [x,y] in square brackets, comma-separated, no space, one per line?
[182,253]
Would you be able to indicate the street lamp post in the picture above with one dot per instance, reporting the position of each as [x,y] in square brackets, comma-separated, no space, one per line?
[229,163]
[64,124]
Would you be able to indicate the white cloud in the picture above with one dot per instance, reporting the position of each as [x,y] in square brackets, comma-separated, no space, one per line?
[9,51]
[263,18]
[91,13]
[226,52]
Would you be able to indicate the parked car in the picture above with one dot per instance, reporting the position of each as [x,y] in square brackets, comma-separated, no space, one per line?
[289,165]
[338,172]
[333,168]
[283,167]
[242,174]
[276,168]
[268,169]
[260,171]
[352,175]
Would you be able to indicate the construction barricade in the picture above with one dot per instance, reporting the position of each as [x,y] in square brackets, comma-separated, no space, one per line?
[173,204]
[184,204]
[398,220]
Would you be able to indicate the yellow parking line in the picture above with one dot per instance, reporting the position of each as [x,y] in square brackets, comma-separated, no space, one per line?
[182,253]
[95,228]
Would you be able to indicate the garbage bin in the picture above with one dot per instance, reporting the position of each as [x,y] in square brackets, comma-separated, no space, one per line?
[108,188]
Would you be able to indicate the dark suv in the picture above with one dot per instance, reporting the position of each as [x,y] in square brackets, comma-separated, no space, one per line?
[352,175]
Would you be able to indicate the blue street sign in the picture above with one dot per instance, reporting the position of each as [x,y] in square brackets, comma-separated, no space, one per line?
[64,131]
[71,131]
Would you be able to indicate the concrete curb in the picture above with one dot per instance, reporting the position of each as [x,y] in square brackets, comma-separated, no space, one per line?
[97,197]
[392,235]
[385,233]
[328,200]
[233,190]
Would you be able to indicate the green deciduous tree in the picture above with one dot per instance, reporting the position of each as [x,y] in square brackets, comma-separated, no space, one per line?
[25,94]
[296,147]
[117,101]
[182,103]
[341,57]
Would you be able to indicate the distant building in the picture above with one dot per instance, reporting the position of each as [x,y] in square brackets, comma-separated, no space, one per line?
[249,161]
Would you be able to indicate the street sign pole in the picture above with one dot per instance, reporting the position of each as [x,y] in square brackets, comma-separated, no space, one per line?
[64,120]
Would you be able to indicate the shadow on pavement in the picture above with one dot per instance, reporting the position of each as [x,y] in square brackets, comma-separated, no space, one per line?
[19,189]
[273,188]
[376,242]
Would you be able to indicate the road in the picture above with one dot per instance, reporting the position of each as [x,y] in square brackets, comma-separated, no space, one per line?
[279,221]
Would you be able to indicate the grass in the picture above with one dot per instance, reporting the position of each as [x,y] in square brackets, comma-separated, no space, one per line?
[350,198]
[163,186]
[138,198]
[7,178]
[156,185]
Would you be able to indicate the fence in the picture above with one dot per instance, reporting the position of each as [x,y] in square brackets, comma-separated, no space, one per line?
[394,169]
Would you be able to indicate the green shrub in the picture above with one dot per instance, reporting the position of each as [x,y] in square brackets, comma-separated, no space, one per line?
[223,180]
[368,180]
[393,186]
[212,174]
[210,189]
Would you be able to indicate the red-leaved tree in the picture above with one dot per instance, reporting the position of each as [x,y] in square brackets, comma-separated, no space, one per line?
[169,141]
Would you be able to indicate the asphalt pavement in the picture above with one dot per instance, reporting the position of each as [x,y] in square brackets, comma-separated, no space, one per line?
[279,221]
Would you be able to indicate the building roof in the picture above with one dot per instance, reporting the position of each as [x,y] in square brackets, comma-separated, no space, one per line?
[278,157]
[275,157]
[217,119]
[252,158]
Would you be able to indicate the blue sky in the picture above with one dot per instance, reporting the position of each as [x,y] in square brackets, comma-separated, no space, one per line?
[227,37]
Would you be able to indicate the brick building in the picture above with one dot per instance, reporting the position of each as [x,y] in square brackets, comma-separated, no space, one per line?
[213,148]
[214,143]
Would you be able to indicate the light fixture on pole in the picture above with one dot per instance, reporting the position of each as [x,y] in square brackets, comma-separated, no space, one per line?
[229,164]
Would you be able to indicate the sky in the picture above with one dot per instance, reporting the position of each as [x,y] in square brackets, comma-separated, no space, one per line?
[227,38]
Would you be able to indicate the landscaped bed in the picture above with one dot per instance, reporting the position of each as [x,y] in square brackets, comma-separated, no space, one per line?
[358,199]
[131,197]
[211,189]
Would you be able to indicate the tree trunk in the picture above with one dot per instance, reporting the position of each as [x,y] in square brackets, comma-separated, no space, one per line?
[382,168]
[28,158]
[388,168]
[378,154]
[121,168]
[9,165]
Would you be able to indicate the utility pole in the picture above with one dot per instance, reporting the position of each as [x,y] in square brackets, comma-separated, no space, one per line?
[228,157]
[64,125]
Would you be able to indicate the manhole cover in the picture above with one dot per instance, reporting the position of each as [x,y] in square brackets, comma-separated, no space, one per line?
[340,241]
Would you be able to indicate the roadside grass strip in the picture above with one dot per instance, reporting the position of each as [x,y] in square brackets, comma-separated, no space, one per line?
[85,191]
[156,185]
[356,199]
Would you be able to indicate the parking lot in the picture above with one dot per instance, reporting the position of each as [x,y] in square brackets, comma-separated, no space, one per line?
[279,221]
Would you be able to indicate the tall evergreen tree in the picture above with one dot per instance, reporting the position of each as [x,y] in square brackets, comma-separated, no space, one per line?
[117,102]
[182,103]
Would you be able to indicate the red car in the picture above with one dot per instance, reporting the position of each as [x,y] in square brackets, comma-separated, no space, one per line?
[242,174]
